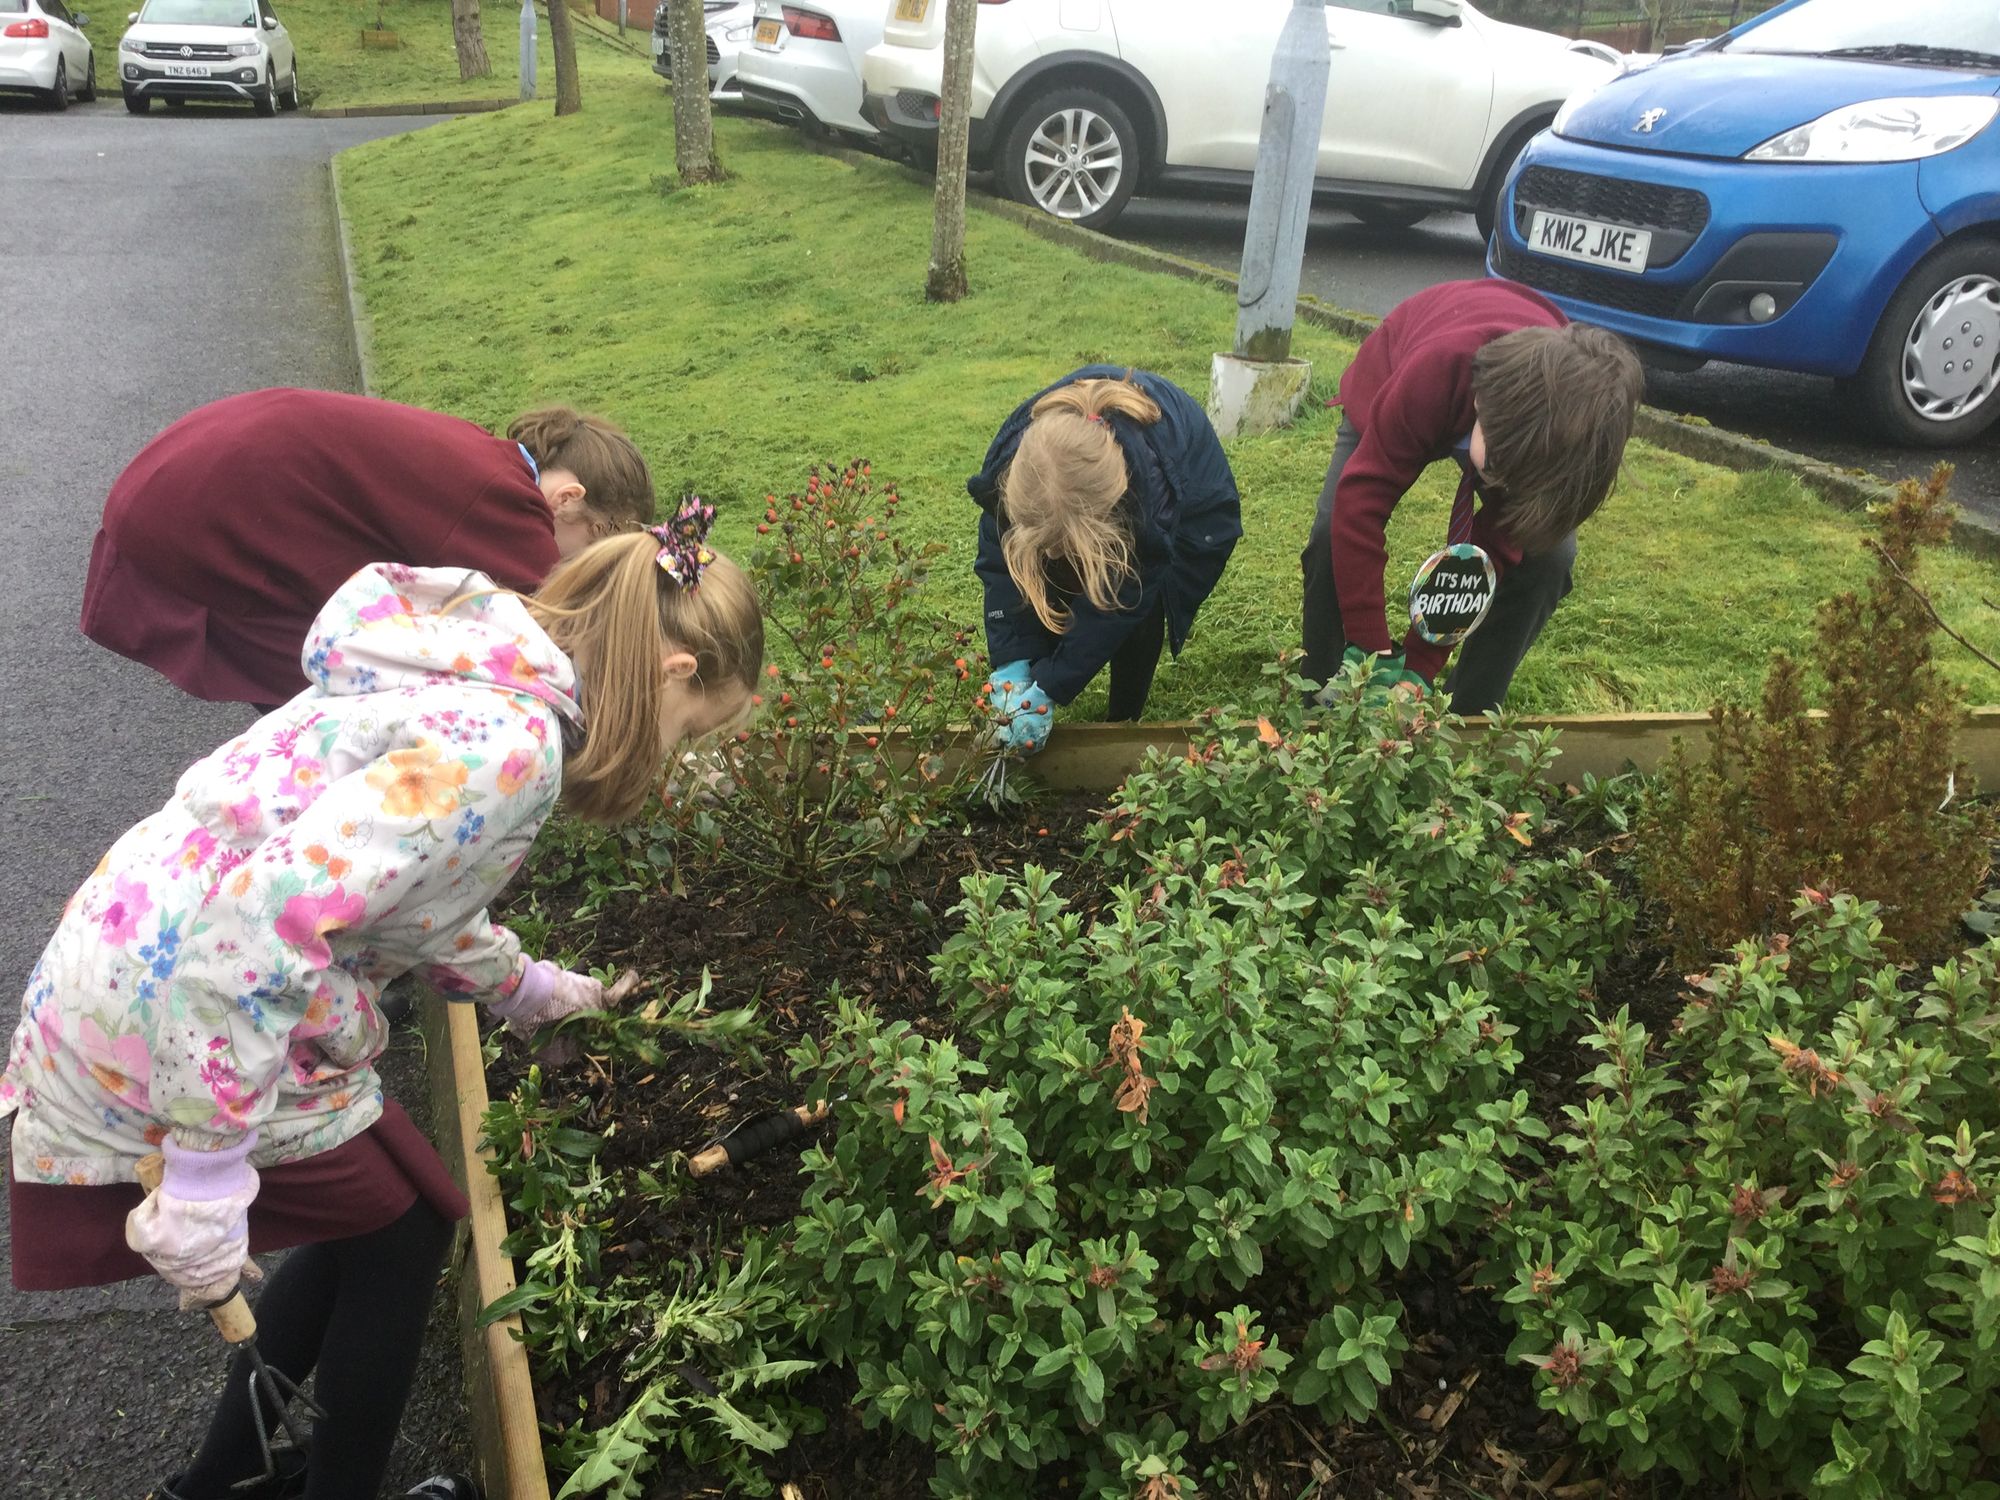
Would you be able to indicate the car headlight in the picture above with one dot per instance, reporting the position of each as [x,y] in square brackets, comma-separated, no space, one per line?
[245,49]
[739,33]
[1884,130]
[126,44]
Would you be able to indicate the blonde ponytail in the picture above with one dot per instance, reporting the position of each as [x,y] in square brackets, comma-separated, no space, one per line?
[615,612]
[1060,496]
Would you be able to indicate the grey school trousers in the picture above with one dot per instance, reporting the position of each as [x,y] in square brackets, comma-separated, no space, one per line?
[1478,679]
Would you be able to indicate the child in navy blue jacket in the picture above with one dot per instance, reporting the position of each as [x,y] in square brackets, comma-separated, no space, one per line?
[1109,514]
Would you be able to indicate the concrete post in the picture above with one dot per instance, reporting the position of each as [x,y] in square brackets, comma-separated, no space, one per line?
[528,49]
[1259,386]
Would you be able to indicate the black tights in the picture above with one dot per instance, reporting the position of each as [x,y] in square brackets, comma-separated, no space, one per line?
[353,1310]
[1133,665]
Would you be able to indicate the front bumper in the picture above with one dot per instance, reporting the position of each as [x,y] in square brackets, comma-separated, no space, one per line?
[235,82]
[1828,244]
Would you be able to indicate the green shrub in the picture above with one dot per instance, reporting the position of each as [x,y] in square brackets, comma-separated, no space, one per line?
[1182,1142]
[1867,799]
[1769,1255]
[843,773]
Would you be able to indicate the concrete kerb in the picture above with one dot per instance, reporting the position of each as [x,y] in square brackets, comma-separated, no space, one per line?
[433,107]
[1688,437]
[357,310]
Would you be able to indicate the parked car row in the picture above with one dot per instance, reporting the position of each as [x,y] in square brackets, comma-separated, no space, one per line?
[172,50]
[1078,104]
[1817,190]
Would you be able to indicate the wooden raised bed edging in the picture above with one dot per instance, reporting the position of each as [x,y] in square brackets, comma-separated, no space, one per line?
[506,1437]
[499,1395]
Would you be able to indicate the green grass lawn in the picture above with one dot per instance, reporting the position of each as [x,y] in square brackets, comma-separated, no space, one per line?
[336,71]
[743,331]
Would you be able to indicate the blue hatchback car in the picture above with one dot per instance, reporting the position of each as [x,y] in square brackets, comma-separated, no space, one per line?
[1817,190]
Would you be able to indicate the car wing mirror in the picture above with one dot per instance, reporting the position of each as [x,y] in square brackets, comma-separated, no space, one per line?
[270,23]
[80,19]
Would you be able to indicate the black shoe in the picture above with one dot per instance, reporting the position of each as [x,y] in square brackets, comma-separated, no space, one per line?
[445,1487]
[288,1484]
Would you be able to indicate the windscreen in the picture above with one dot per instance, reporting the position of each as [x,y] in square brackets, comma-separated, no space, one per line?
[1938,32]
[199,13]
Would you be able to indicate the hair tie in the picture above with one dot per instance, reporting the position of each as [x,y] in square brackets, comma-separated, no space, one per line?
[684,554]
[1094,416]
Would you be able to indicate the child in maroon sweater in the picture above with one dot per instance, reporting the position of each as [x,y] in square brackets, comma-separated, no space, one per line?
[229,531]
[1536,411]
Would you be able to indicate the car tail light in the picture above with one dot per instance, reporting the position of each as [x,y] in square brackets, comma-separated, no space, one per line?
[35,27]
[811,25]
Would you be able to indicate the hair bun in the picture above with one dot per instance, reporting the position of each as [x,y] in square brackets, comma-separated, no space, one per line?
[547,430]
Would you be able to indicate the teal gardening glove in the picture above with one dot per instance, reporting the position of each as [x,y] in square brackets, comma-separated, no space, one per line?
[1022,712]
[1386,673]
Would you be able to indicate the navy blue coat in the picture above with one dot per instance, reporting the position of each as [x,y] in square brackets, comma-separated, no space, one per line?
[1185,517]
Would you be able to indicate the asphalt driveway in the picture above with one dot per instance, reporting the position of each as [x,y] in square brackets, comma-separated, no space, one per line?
[148,264]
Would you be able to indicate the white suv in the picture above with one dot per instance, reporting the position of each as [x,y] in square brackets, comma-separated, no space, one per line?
[177,50]
[1077,104]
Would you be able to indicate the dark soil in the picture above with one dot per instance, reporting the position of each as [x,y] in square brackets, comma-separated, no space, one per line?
[1460,1419]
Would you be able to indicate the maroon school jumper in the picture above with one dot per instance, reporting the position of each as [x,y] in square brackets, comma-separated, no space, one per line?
[1409,391]
[227,533]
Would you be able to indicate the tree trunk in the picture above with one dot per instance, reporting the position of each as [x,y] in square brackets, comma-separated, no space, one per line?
[694,127]
[946,281]
[469,40]
[562,42]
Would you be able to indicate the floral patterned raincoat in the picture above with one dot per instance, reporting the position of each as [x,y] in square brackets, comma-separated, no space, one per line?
[218,971]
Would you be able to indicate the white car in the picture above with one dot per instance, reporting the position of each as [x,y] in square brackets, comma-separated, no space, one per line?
[804,62]
[1077,104]
[177,50]
[728,24]
[43,51]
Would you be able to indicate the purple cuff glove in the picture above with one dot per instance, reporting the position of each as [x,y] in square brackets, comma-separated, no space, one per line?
[195,1231]
[545,995]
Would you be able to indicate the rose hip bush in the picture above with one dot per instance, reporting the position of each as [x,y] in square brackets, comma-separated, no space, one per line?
[1184,1141]
[844,769]
[1767,1251]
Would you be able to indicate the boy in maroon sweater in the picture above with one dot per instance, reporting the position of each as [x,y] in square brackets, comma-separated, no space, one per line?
[1536,411]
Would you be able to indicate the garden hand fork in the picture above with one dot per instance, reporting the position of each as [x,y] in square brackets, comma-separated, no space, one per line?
[238,1327]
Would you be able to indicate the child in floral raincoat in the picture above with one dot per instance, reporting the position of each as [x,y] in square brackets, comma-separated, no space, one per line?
[212,988]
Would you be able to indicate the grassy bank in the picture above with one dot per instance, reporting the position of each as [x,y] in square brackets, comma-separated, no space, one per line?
[336,71]
[741,332]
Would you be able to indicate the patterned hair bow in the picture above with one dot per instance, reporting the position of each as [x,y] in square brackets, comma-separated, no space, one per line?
[684,552]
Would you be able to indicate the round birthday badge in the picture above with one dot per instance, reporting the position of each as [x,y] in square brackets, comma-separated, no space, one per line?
[1451,593]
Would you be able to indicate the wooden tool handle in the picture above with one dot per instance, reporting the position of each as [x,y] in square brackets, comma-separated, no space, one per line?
[756,1137]
[232,1319]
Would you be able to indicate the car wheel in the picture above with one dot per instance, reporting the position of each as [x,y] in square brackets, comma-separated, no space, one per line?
[58,98]
[1389,215]
[1931,376]
[289,98]
[265,100]
[137,104]
[1072,153]
[1486,214]
[89,94]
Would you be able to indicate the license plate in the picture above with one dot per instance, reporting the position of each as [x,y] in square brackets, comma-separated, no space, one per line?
[912,10]
[186,70]
[768,32]
[659,46]
[1587,240]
